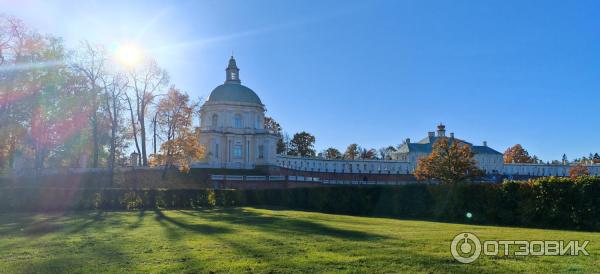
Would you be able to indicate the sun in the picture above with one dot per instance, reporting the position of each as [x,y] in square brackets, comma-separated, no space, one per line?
[129,54]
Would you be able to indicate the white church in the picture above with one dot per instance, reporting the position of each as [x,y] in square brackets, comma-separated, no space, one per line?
[233,134]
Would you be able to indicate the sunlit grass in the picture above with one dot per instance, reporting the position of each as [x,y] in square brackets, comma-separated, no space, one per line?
[257,240]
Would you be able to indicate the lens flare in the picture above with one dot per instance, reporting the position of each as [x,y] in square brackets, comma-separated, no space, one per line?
[129,54]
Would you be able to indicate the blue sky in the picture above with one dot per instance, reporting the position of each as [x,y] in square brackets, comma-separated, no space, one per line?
[374,72]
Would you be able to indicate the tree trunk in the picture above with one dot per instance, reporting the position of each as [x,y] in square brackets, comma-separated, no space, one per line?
[142,120]
[113,139]
[94,121]
[143,140]
[111,161]
[170,136]
[154,132]
[95,152]
[135,139]
[166,167]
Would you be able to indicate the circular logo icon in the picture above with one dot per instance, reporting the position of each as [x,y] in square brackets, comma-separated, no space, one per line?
[465,247]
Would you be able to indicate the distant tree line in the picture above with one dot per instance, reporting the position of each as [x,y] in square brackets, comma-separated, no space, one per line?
[517,154]
[303,144]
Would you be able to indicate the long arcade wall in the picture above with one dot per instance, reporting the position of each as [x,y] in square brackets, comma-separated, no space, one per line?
[343,166]
[406,167]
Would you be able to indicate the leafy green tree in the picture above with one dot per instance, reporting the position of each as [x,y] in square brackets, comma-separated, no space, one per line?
[385,153]
[44,102]
[367,154]
[332,153]
[352,152]
[272,125]
[90,65]
[58,110]
[16,86]
[556,162]
[302,144]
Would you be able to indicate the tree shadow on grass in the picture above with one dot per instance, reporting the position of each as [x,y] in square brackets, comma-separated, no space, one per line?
[168,223]
[29,224]
[269,248]
[89,221]
[282,224]
[140,219]
[288,225]
[93,257]
[42,229]
[52,254]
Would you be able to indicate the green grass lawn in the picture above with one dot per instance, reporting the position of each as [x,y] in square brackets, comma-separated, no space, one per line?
[257,240]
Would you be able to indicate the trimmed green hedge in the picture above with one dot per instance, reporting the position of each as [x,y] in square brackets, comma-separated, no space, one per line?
[546,202]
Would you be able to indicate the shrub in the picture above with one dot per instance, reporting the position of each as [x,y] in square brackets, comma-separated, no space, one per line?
[545,202]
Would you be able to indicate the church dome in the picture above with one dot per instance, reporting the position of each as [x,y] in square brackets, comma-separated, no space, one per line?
[232,90]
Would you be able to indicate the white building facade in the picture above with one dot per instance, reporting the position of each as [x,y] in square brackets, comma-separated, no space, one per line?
[344,166]
[232,132]
[488,159]
[405,161]
[232,127]
[544,170]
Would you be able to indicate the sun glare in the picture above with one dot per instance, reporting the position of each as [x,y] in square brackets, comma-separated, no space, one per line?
[129,54]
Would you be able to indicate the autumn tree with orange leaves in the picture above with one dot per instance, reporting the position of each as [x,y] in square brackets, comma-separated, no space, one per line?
[182,145]
[68,108]
[517,154]
[451,162]
[578,171]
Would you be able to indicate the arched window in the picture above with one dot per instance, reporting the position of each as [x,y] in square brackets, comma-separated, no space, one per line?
[215,120]
[237,121]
